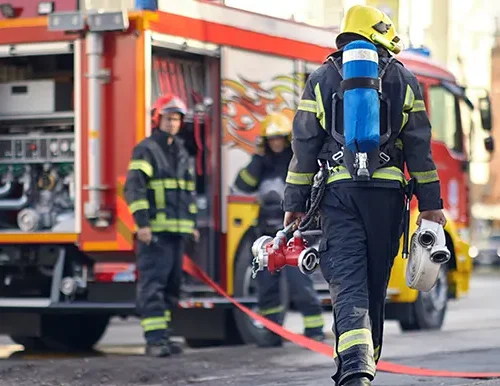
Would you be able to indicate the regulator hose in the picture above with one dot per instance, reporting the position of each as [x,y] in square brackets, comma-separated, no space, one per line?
[317,192]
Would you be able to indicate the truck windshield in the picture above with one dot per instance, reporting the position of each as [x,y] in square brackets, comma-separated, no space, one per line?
[450,115]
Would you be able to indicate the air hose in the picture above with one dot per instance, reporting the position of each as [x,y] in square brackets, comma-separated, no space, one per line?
[317,191]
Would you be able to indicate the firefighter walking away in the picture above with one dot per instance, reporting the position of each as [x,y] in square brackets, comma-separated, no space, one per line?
[266,174]
[159,191]
[363,201]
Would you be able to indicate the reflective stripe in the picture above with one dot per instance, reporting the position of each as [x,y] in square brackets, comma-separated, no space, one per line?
[426,177]
[138,205]
[154,323]
[353,338]
[407,105]
[143,166]
[376,353]
[162,224]
[313,321]
[320,113]
[159,191]
[308,106]
[391,173]
[398,144]
[171,184]
[418,105]
[193,208]
[248,178]
[168,316]
[299,178]
[271,311]
[359,54]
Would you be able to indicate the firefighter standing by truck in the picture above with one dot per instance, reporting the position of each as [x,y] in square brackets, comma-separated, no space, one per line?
[361,220]
[266,173]
[160,194]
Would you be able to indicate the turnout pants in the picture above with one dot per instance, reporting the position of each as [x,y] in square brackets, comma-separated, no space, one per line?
[362,230]
[302,294]
[158,287]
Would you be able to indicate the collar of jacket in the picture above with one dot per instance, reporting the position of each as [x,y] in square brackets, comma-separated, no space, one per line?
[163,136]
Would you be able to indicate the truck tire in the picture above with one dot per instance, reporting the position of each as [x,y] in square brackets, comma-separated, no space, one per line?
[251,331]
[73,332]
[429,309]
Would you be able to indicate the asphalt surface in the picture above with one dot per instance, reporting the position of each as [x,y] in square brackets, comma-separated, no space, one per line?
[469,341]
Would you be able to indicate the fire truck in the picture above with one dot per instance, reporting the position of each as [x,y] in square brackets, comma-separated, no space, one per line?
[76,90]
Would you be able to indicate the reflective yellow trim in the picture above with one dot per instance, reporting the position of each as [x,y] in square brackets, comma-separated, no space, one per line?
[248,178]
[425,177]
[168,316]
[407,105]
[193,208]
[398,144]
[308,106]
[357,337]
[320,113]
[154,323]
[313,321]
[172,225]
[138,205]
[418,105]
[391,173]
[299,178]
[271,311]
[376,353]
[143,166]
[172,183]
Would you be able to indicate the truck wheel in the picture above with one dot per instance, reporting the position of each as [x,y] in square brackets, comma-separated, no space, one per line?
[73,332]
[429,309]
[251,331]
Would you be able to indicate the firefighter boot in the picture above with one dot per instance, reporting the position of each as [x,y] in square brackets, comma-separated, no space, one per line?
[269,338]
[158,350]
[316,334]
[174,347]
[357,381]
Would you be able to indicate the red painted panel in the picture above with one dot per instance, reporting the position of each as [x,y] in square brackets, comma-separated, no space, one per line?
[118,133]
[29,8]
[25,34]
[236,37]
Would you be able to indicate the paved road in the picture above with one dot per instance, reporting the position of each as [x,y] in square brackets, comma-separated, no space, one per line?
[469,341]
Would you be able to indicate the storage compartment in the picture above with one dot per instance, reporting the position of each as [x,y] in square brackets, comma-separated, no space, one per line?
[37,144]
[42,96]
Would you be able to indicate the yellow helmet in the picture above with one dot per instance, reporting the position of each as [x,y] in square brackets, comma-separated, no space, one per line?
[373,24]
[276,125]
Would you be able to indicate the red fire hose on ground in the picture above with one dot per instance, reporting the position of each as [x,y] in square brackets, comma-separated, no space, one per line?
[321,348]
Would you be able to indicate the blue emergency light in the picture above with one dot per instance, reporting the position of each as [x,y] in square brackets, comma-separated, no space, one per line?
[148,5]
[422,51]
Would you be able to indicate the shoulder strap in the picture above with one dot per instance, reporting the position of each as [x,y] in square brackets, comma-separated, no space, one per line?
[382,70]
[157,153]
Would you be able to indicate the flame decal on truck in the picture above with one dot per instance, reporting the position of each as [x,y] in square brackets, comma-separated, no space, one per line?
[245,104]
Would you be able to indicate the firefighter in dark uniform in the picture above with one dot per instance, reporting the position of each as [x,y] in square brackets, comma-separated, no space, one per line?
[361,220]
[160,194]
[268,167]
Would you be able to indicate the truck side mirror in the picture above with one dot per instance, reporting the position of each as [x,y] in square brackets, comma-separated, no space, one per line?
[485,111]
[489,144]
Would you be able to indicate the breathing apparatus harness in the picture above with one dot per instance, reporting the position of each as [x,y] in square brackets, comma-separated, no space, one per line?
[274,254]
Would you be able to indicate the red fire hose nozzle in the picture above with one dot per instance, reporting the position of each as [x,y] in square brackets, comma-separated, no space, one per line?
[276,253]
